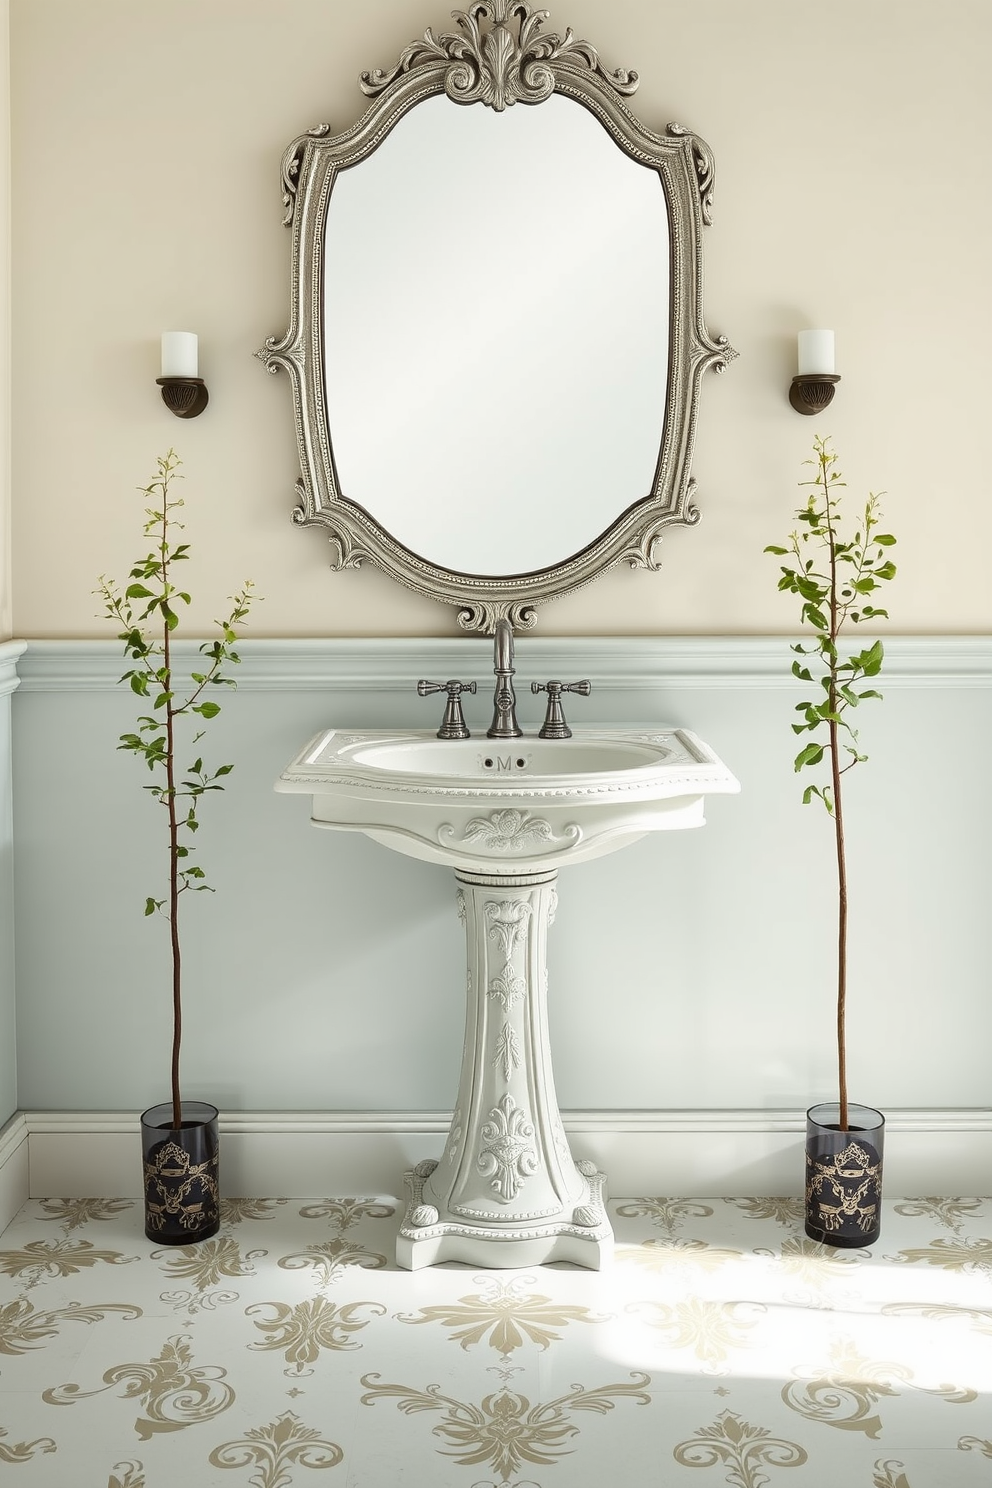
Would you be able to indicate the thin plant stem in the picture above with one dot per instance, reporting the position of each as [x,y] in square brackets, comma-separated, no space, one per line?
[836,618]
[170,796]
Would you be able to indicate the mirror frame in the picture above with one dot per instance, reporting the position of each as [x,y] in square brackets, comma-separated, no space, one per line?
[498,58]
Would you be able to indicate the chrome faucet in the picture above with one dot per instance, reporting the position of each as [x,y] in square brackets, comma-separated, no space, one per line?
[504,724]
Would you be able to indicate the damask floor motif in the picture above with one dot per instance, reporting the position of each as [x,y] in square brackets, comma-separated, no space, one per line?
[721,1348]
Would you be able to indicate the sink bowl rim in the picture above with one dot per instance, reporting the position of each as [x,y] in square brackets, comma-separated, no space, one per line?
[703,772]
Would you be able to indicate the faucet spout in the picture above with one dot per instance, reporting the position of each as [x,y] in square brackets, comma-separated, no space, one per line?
[503,647]
[504,724]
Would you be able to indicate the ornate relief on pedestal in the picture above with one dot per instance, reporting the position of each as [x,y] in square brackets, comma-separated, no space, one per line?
[507,1056]
[508,1153]
[454,1137]
[507,988]
[508,922]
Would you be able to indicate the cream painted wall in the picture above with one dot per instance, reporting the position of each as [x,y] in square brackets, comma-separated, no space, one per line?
[146,148]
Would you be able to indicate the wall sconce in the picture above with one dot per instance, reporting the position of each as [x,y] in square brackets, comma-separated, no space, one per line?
[813,389]
[182,390]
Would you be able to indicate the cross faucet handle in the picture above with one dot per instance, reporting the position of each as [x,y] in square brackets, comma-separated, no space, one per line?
[453,725]
[554,726]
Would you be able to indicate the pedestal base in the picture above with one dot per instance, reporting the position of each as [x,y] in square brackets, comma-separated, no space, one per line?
[507,1191]
[426,1239]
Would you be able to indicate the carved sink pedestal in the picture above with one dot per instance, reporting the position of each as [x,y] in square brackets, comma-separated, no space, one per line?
[506,1191]
[505,815]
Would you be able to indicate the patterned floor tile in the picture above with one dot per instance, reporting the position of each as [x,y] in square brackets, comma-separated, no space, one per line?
[722,1347]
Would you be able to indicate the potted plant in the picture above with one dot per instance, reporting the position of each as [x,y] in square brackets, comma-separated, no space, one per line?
[835,574]
[179,1138]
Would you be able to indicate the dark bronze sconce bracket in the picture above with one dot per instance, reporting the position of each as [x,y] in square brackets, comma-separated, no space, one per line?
[812,392]
[186,397]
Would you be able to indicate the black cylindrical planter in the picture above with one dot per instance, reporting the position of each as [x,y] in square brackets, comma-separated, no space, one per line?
[844,1175]
[181,1168]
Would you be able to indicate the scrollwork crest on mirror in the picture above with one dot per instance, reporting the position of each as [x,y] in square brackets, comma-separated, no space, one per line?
[496,332]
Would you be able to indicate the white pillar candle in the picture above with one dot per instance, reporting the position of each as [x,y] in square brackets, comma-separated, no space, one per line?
[179,354]
[816,353]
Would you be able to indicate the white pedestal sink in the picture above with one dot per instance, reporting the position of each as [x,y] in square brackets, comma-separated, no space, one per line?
[505,815]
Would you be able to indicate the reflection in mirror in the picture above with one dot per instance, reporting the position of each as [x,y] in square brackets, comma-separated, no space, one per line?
[496,336]
[517,264]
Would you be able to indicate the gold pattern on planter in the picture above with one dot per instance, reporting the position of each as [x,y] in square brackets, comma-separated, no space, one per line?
[75,1212]
[178,1189]
[41,1258]
[710,1329]
[308,1327]
[666,1213]
[968,1255]
[740,1446]
[23,1451]
[843,1188]
[344,1213]
[506,1314]
[275,1448]
[505,1430]
[949,1212]
[22,1328]
[174,1393]
[845,1391]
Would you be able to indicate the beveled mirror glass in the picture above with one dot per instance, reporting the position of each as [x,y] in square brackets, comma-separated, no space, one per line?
[496,334]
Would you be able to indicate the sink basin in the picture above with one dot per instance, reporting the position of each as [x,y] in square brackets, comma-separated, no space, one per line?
[523,803]
[455,758]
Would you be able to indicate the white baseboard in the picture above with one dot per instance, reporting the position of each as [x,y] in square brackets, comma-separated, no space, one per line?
[14,1185]
[297,1154]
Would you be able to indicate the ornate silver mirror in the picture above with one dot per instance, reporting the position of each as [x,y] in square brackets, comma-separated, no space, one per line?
[496,335]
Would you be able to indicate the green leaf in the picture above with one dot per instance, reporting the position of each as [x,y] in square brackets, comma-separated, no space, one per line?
[811,755]
[870,661]
[815,617]
[207,710]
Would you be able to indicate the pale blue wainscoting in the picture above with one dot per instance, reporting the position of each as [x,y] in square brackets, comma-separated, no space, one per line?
[10,651]
[691,974]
